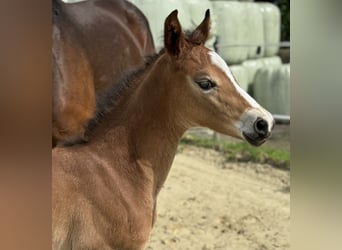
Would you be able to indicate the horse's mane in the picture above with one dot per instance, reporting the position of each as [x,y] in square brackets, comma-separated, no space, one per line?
[109,99]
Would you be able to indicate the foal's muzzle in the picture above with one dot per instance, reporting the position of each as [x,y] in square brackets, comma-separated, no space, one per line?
[257,127]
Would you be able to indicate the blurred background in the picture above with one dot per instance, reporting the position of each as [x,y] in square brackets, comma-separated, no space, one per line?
[315,148]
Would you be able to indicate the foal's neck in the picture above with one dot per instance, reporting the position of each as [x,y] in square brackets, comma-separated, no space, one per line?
[145,122]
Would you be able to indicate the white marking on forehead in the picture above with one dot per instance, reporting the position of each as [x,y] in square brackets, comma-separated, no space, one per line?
[219,62]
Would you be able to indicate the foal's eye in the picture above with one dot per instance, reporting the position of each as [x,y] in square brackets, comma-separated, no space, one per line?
[206,84]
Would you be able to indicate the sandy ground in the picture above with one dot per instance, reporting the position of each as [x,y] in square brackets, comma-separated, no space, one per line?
[209,204]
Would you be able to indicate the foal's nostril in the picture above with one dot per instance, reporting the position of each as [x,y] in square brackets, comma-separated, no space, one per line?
[261,127]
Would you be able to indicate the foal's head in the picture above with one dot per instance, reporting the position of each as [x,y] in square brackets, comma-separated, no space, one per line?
[207,93]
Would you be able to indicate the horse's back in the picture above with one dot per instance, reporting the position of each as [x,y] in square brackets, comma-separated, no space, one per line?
[95,43]
[114,34]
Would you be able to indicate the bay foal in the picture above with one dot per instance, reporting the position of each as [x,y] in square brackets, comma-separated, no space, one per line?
[95,42]
[104,192]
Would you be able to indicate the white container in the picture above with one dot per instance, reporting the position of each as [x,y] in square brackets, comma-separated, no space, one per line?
[271,19]
[241,75]
[190,14]
[255,30]
[156,12]
[272,88]
[73,1]
[148,7]
[232,31]
[234,0]
[271,61]
[197,9]
[252,66]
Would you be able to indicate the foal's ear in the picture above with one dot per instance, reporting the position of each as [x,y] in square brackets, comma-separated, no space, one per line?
[173,35]
[201,33]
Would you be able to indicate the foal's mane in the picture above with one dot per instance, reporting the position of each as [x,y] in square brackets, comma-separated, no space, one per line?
[107,101]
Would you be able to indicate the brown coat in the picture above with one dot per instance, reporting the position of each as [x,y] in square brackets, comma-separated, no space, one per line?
[95,43]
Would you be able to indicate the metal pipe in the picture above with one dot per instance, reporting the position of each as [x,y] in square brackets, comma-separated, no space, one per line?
[281,44]
[282,118]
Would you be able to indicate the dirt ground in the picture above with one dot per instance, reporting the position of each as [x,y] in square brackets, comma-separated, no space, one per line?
[207,203]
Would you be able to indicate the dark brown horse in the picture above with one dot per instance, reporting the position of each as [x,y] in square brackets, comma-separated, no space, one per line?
[104,192]
[94,43]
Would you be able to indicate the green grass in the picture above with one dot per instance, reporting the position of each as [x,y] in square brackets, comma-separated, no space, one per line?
[243,152]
